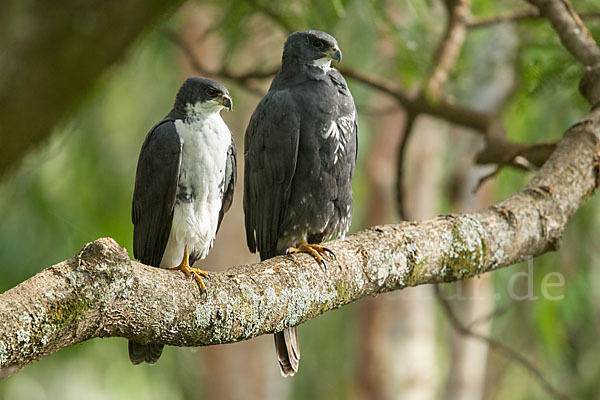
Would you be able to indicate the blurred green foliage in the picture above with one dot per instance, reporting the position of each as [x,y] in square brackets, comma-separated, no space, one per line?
[78,187]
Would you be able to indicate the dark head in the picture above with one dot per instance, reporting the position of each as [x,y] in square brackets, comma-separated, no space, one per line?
[311,48]
[201,96]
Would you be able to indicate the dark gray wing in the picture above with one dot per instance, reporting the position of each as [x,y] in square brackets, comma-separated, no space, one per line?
[270,154]
[230,180]
[156,183]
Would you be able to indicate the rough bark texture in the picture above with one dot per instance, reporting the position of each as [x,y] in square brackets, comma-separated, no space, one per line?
[100,292]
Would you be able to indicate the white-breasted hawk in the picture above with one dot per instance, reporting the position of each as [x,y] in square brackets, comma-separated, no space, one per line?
[184,184]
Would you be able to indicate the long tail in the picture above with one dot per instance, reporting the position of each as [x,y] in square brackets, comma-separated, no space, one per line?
[139,353]
[288,351]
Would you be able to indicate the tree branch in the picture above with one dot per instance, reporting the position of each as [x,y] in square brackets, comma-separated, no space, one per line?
[449,48]
[577,40]
[571,30]
[445,59]
[500,151]
[407,130]
[244,80]
[519,15]
[102,293]
[444,109]
[505,153]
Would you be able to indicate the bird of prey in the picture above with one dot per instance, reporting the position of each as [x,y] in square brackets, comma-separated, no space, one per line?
[184,184]
[300,153]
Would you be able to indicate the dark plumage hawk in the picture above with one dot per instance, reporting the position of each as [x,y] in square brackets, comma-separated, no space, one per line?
[184,184]
[300,153]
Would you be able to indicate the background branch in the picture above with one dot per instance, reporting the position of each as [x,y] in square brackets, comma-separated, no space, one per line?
[444,109]
[519,15]
[407,129]
[570,28]
[444,61]
[449,47]
[577,40]
[244,80]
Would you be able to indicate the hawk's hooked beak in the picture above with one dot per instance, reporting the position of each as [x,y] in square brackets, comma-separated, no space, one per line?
[226,102]
[335,54]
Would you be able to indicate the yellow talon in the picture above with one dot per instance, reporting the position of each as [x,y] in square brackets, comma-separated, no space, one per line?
[190,271]
[314,250]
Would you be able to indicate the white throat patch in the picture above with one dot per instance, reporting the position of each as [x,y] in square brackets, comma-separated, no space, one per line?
[202,109]
[324,63]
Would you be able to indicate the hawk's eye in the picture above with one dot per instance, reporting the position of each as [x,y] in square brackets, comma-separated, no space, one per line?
[211,92]
[317,43]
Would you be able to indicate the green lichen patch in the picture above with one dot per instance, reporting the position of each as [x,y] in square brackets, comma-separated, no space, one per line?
[67,311]
[344,291]
[467,253]
[62,313]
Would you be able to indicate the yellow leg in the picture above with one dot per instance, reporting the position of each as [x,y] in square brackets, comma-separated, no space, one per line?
[191,272]
[314,250]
